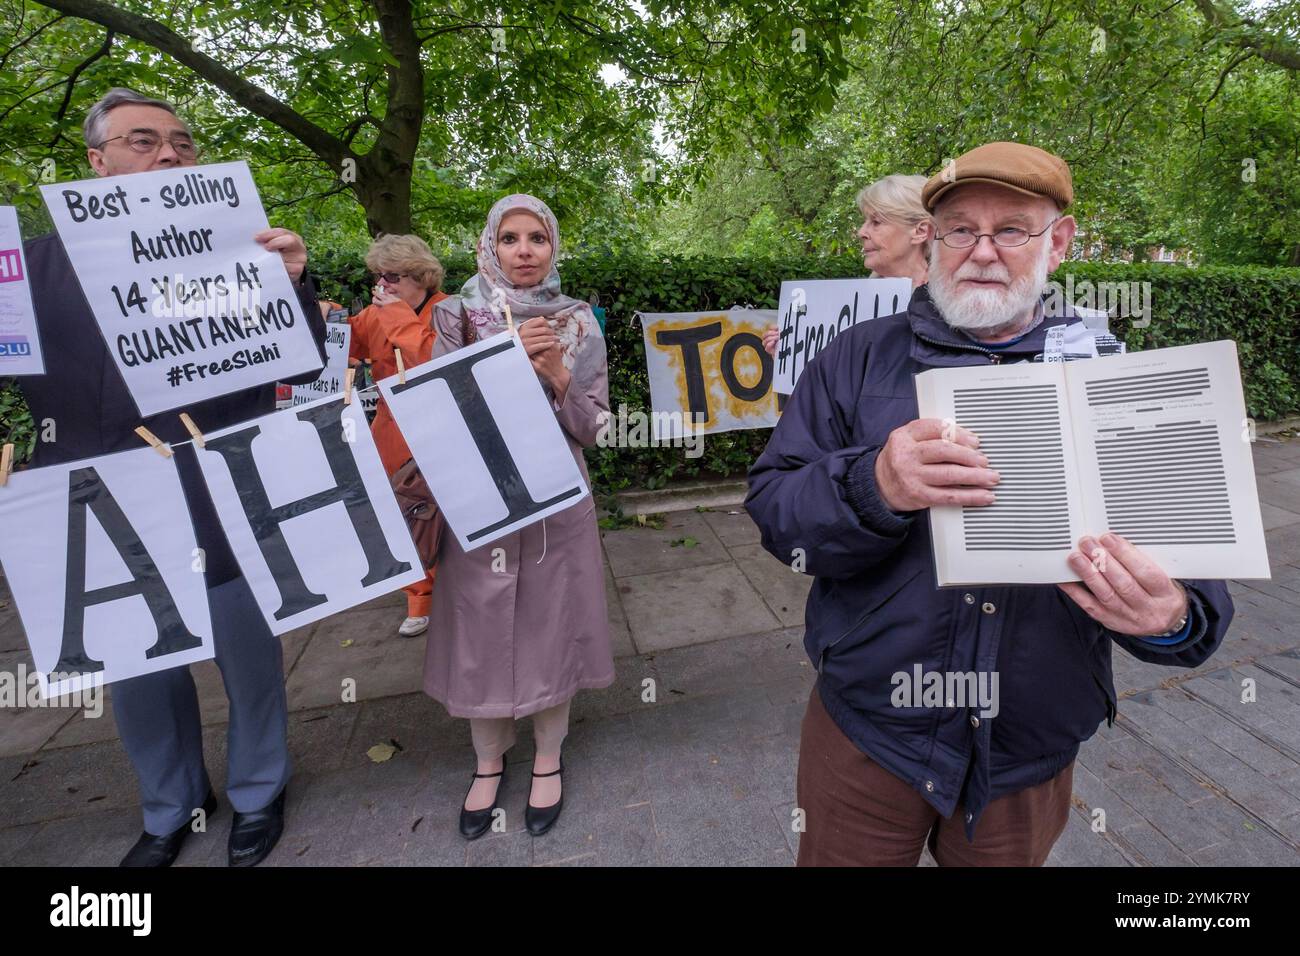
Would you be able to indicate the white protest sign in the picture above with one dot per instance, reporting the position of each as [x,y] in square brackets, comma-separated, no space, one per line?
[309,512]
[190,306]
[1068,343]
[708,371]
[478,419]
[20,346]
[101,558]
[338,337]
[814,311]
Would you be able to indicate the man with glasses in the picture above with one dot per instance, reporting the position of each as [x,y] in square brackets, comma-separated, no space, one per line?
[843,487]
[92,412]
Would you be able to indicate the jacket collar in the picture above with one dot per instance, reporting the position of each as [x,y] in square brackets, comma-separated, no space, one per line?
[936,343]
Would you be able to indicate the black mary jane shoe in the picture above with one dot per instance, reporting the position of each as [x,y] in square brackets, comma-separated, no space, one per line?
[475,823]
[540,819]
[254,835]
[153,851]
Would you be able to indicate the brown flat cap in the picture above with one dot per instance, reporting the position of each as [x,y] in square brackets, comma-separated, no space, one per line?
[1026,169]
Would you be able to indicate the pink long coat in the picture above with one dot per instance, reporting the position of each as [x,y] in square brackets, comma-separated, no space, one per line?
[508,643]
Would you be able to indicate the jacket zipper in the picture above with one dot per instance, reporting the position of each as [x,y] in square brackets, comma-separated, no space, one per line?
[994,357]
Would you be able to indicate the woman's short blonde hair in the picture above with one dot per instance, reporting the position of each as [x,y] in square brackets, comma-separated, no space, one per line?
[410,255]
[895,197]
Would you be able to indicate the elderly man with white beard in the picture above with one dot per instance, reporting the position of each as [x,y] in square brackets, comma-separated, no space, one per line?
[841,492]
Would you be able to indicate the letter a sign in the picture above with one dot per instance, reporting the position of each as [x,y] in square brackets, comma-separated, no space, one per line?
[99,555]
[478,420]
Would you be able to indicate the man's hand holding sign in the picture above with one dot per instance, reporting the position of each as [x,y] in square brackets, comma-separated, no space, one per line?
[289,245]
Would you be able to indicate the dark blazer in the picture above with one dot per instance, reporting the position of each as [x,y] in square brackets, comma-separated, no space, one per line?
[83,394]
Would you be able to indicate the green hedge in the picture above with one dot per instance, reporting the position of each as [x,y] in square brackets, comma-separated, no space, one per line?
[1258,307]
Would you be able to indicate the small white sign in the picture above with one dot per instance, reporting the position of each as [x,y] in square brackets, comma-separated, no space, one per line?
[20,345]
[338,338]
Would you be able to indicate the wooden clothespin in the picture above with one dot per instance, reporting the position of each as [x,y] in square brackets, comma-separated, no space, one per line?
[347,384]
[192,429]
[152,439]
[6,463]
[401,367]
[510,322]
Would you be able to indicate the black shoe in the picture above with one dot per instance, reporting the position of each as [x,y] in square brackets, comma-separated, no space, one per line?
[540,819]
[152,850]
[254,835]
[475,823]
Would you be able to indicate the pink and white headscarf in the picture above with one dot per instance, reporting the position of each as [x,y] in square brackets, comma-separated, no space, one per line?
[486,294]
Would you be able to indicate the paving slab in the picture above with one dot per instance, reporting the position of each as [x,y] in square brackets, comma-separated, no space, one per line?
[784,591]
[685,541]
[692,606]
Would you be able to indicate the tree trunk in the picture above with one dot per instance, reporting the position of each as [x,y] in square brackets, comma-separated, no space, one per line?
[384,191]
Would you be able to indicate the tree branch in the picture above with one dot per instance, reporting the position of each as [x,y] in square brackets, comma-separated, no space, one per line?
[248,95]
[1269,47]
[79,69]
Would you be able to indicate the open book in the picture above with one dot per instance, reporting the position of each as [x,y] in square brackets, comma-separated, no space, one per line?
[1153,446]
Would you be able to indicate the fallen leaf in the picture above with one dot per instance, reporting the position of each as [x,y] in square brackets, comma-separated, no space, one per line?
[348,643]
[381,752]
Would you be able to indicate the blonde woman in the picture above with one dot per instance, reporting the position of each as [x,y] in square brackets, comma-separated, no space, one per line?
[895,234]
[407,277]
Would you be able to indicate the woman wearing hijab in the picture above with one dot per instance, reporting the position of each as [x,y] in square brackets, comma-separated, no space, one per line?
[407,276]
[895,234]
[519,626]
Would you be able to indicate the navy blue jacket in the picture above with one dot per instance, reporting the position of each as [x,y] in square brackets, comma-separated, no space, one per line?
[85,397]
[875,610]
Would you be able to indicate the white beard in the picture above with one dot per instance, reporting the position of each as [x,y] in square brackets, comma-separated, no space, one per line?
[981,310]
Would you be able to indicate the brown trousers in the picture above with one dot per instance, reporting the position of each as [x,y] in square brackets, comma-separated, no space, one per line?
[857,813]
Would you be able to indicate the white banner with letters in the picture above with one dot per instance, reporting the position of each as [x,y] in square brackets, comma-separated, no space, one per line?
[101,558]
[486,439]
[309,511]
[813,311]
[708,371]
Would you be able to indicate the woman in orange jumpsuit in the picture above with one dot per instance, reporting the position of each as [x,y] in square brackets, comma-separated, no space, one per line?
[407,279]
